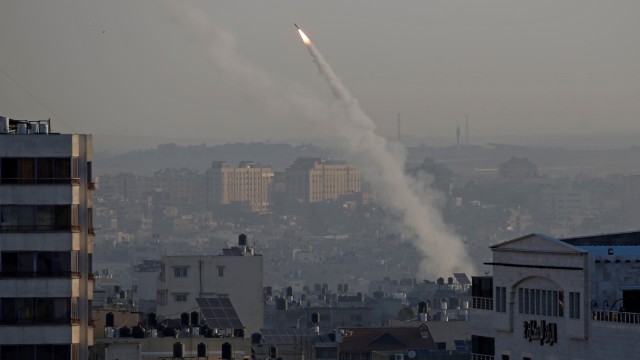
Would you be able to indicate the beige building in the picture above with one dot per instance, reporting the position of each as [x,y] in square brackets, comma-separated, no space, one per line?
[237,273]
[310,180]
[247,183]
[46,242]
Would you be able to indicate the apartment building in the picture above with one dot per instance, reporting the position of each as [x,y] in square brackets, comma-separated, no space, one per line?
[310,180]
[247,183]
[46,237]
[236,273]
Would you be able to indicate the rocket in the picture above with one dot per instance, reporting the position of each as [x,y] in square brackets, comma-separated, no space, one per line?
[296,26]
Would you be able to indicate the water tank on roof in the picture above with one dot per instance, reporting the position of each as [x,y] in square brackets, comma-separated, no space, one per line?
[289,291]
[43,127]
[178,350]
[4,125]
[124,332]
[450,281]
[202,350]
[227,351]
[109,321]
[256,338]
[195,318]
[242,240]
[22,128]
[184,319]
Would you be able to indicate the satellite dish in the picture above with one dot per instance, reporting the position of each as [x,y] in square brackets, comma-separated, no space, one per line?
[411,354]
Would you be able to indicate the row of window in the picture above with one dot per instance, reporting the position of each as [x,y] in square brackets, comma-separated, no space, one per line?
[38,263]
[183,271]
[39,352]
[37,311]
[38,217]
[541,302]
[38,170]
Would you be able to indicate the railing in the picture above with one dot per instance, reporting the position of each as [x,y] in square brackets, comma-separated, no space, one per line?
[39,274]
[616,316]
[482,303]
[8,228]
[482,357]
[29,181]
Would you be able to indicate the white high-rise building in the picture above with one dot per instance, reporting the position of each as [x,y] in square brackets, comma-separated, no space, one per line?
[46,237]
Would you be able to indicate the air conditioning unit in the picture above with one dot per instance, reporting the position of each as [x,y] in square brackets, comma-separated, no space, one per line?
[399,357]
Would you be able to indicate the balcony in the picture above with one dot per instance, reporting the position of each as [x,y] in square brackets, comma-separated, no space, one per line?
[39,274]
[616,317]
[7,228]
[482,303]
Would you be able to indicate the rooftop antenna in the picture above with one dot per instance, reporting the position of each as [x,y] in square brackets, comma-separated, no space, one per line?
[466,130]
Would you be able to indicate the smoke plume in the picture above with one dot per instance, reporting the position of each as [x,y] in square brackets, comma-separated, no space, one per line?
[444,252]
[381,163]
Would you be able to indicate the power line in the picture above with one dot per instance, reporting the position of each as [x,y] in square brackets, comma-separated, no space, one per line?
[36,99]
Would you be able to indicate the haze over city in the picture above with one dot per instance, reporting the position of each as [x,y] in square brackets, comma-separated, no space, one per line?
[323,180]
[138,74]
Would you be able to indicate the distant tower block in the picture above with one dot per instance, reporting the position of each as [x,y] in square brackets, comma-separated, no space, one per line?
[466,130]
[458,137]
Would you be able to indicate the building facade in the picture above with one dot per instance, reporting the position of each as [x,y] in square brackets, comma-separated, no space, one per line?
[236,273]
[46,237]
[310,180]
[246,183]
[576,298]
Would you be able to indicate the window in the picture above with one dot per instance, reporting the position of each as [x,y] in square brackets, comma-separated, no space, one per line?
[38,263]
[38,170]
[220,271]
[574,305]
[180,297]
[37,352]
[180,271]
[17,218]
[540,302]
[33,311]
[505,357]
[501,299]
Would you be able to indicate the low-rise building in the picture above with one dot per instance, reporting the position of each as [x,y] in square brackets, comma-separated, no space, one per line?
[575,298]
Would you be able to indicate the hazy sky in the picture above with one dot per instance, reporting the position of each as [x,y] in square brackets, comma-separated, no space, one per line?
[138,68]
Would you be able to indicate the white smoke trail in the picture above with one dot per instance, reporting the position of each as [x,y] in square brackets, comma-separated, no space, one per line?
[444,252]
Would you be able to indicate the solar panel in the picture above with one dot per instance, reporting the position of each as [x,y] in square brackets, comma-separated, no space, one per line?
[283,335]
[462,278]
[219,313]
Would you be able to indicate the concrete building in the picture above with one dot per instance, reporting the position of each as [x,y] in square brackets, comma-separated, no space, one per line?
[237,273]
[310,180]
[246,183]
[575,298]
[46,242]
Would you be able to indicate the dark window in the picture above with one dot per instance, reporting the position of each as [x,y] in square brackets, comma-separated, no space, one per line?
[33,311]
[505,357]
[220,271]
[36,352]
[16,218]
[574,305]
[501,299]
[180,271]
[38,170]
[482,345]
[38,263]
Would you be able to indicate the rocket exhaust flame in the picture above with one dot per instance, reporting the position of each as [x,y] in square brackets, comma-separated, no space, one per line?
[304,37]
[443,251]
